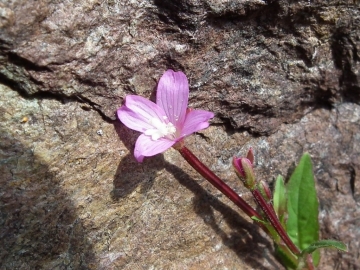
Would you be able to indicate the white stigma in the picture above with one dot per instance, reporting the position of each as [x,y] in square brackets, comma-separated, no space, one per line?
[160,129]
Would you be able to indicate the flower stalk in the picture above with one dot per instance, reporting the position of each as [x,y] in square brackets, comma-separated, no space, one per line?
[216,181]
[270,215]
[235,198]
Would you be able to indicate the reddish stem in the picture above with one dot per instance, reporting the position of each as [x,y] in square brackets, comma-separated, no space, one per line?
[274,221]
[309,262]
[234,197]
[216,181]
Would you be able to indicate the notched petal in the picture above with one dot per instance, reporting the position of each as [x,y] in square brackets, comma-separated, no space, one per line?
[139,113]
[196,120]
[144,107]
[173,95]
[133,120]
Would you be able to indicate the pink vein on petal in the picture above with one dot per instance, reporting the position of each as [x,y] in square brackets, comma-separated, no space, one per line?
[172,95]
[133,120]
[138,111]
[144,107]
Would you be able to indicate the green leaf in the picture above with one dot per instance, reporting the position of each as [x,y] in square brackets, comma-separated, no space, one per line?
[279,199]
[302,224]
[325,244]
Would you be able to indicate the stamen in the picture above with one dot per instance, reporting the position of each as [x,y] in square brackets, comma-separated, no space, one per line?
[160,129]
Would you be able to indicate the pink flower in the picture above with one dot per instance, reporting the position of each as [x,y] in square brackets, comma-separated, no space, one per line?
[166,122]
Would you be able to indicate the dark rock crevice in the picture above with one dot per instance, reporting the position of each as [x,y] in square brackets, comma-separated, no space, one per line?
[42,95]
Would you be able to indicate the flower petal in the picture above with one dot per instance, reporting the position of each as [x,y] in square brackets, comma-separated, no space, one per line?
[144,107]
[138,112]
[132,120]
[173,95]
[195,121]
[146,147]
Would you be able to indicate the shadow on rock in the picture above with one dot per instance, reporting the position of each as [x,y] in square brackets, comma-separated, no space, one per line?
[245,239]
[39,228]
[130,173]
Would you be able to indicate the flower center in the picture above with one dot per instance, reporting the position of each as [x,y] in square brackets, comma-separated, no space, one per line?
[160,129]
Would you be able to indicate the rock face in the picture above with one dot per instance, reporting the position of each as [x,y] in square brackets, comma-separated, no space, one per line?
[281,76]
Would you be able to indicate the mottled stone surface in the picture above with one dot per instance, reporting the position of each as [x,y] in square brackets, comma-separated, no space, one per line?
[281,76]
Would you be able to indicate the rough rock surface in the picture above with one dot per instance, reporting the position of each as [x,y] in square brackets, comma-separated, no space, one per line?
[281,76]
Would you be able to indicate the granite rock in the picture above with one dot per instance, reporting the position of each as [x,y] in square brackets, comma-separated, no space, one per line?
[281,76]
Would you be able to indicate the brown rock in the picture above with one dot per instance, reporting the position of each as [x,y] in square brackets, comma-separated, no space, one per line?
[281,76]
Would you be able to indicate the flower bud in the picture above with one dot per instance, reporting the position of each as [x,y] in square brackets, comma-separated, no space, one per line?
[244,170]
[265,191]
[250,156]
